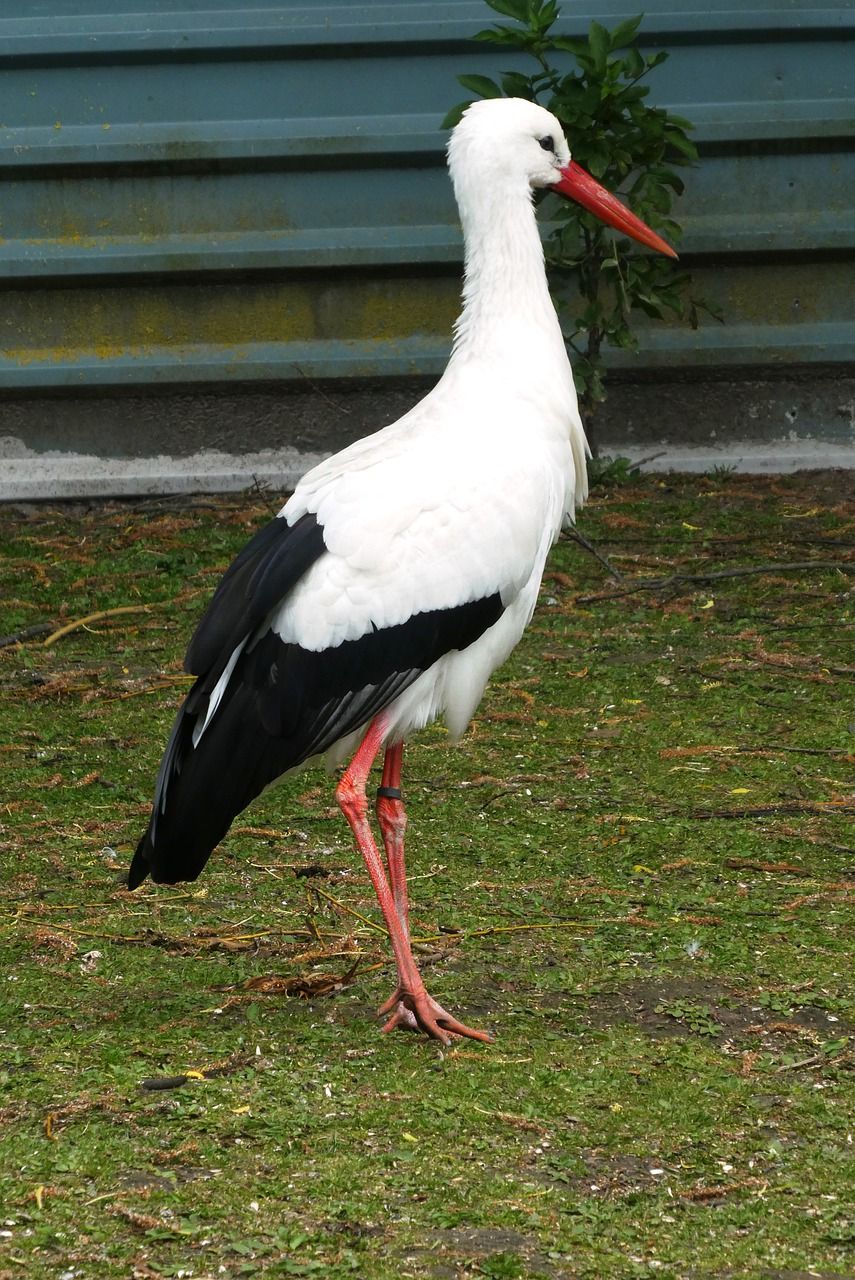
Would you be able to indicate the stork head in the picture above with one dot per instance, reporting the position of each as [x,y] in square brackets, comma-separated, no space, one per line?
[516,143]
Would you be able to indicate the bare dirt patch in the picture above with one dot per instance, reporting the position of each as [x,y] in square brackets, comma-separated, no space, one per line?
[667,1007]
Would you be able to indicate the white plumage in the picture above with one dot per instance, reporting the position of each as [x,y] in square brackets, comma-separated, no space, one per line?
[403,570]
[465,494]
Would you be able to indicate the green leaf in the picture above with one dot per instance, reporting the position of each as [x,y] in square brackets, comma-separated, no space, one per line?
[597,159]
[568,44]
[676,139]
[633,64]
[516,85]
[648,305]
[453,117]
[623,337]
[598,43]
[668,178]
[501,35]
[658,198]
[624,33]
[547,16]
[834,1046]
[668,298]
[481,85]
[517,9]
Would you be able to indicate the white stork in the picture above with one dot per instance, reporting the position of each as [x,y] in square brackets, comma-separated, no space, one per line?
[403,570]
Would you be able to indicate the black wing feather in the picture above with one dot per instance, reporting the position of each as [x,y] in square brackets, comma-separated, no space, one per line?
[282,704]
[259,579]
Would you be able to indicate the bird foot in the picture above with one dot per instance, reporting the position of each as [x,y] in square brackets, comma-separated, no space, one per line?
[420,1012]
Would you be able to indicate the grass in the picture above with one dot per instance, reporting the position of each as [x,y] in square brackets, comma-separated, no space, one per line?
[637,869]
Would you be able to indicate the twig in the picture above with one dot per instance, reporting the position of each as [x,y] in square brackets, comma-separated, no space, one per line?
[765,810]
[803,1062]
[757,864]
[167,940]
[164,683]
[506,928]
[678,580]
[802,751]
[702,749]
[518,1122]
[95,617]
[701,1195]
[27,633]
[372,924]
[575,536]
[99,933]
[186,502]
[650,457]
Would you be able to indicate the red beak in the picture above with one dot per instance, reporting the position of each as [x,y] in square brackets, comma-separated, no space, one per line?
[577,184]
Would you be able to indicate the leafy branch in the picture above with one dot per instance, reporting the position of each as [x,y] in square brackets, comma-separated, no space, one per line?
[632,148]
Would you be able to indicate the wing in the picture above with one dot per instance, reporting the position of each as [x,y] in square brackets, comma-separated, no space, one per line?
[261,576]
[452,518]
[262,703]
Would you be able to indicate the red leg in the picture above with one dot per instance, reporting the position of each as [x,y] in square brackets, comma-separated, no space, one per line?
[417,1010]
[392,818]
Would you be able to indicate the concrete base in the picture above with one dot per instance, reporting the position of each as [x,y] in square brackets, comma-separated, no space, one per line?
[220,440]
[58,476]
[743,457]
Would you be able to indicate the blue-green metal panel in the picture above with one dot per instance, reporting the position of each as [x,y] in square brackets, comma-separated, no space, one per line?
[148,157]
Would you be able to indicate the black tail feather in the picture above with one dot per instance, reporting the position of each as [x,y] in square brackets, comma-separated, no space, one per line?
[139,867]
[200,791]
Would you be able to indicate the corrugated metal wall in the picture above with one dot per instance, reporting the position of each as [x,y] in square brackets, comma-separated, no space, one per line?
[207,192]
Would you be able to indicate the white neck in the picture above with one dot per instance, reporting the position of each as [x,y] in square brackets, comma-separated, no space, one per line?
[508,322]
[507,311]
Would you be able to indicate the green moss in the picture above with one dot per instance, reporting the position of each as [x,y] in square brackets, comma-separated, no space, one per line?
[669,977]
[47,326]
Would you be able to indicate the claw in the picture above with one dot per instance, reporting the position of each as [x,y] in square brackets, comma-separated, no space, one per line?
[388,1005]
[403,1018]
[420,1012]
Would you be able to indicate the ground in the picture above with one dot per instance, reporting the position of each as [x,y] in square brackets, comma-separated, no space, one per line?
[637,870]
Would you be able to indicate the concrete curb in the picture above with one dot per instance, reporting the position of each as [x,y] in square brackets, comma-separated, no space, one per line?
[61,476]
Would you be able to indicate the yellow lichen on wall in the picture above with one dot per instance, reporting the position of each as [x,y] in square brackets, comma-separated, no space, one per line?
[61,326]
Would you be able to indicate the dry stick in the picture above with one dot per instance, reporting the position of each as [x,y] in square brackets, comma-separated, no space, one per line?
[575,536]
[520,1122]
[802,751]
[803,1062]
[96,617]
[508,928]
[677,580]
[167,940]
[36,908]
[763,811]
[443,937]
[341,906]
[28,633]
[182,504]
[769,749]
[152,688]
[98,933]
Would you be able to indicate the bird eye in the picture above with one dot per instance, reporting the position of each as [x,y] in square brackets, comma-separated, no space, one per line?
[547,144]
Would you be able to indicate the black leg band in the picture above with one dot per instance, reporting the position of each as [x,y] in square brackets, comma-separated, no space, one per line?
[389,793]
